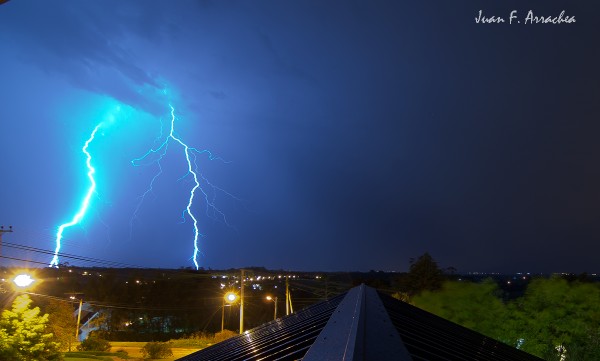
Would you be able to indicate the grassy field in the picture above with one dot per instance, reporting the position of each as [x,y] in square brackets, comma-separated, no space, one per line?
[95,355]
[133,350]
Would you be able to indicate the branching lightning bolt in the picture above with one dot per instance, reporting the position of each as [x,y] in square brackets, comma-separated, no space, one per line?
[193,191]
[192,168]
[86,199]
[157,154]
[161,151]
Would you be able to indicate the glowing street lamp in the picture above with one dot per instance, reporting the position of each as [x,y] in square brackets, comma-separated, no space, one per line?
[23,280]
[269,298]
[230,297]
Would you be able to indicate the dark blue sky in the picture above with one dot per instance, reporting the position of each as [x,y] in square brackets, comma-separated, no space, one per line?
[355,134]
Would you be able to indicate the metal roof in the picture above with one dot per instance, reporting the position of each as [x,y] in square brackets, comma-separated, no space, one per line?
[362,324]
[287,338]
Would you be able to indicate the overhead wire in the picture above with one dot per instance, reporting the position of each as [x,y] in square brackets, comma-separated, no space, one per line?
[118,306]
[67,255]
[111,265]
[24,260]
[178,275]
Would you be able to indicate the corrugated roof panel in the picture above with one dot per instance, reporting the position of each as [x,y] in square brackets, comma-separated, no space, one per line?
[286,338]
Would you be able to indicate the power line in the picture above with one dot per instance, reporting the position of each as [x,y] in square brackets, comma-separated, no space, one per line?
[24,260]
[104,263]
[119,306]
[174,273]
[70,256]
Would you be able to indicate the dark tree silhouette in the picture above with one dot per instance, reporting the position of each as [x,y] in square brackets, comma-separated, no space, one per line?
[424,275]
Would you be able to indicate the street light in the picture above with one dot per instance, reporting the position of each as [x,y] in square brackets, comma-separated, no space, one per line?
[229,297]
[23,280]
[75,297]
[275,301]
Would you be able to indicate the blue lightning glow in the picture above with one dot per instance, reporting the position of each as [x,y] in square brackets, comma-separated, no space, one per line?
[86,199]
[155,154]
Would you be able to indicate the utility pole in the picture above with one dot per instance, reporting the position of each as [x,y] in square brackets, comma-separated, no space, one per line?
[242,303]
[223,315]
[287,296]
[2,231]
[78,319]
[77,296]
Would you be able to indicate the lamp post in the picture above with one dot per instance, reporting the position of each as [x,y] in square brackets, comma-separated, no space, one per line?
[78,319]
[242,302]
[230,297]
[275,301]
[74,297]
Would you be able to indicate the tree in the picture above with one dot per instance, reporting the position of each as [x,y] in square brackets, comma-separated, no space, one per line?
[424,275]
[554,320]
[473,305]
[62,323]
[23,334]
[557,315]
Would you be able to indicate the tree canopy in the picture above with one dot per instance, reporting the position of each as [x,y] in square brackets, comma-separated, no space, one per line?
[23,335]
[424,275]
[475,306]
[554,320]
[555,314]
[61,323]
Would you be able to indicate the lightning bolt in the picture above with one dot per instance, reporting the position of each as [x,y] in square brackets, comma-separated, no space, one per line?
[161,151]
[190,157]
[86,199]
[158,153]
[196,185]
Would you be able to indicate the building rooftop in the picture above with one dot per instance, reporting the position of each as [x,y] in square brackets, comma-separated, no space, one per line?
[361,324]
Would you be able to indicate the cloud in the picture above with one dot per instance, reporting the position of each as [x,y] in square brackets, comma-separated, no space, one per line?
[92,47]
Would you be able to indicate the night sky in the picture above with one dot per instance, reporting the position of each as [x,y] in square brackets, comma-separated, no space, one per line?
[352,135]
